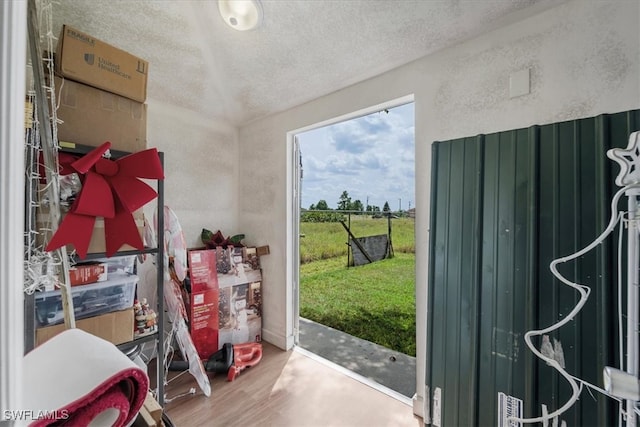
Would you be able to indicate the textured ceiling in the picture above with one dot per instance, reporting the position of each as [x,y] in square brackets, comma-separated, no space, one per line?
[303,50]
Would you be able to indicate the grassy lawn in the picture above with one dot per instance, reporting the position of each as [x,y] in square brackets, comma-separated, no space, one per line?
[375,302]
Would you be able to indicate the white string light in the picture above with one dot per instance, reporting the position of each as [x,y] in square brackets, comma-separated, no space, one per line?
[42,268]
[584,291]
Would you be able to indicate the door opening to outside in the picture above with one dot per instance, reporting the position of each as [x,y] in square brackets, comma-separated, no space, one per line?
[354,303]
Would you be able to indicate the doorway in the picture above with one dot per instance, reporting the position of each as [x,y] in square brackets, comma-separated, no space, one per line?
[357,172]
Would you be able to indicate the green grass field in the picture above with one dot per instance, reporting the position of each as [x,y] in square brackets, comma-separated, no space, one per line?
[325,240]
[375,302]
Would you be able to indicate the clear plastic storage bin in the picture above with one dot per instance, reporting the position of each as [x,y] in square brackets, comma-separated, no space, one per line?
[120,264]
[115,294]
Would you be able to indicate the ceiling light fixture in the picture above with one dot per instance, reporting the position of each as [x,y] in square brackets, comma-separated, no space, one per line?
[241,15]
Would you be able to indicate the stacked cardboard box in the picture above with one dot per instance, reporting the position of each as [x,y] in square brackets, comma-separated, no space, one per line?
[116,327]
[91,116]
[102,90]
[240,284]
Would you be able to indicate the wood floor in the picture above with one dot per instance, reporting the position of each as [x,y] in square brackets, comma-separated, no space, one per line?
[287,389]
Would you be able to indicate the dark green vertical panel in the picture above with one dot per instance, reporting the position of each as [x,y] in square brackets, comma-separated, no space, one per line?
[453,291]
[591,335]
[439,260]
[605,268]
[525,199]
[468,275]
[532,307]
[571,218]
[508,193]
[438,186]
[532,195]
[453,283]
[470,242]
[557,237]
[489,274]
[547,228]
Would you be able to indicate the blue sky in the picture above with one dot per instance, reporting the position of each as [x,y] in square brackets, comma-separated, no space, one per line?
[371,157]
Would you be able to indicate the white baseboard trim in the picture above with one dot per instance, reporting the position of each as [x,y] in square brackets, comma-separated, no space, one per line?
[279,340]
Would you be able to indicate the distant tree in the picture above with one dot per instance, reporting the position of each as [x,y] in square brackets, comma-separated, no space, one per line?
[386,207]
[357,206]
[373,208]
[312,207]
[322,206]
[324,216]
[345,201]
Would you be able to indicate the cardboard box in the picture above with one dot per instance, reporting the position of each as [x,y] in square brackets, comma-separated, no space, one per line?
[91,116]
[150,414]
[202,268]
[86,273]
[240,314]
[153,407]
[203,322]
[144,419]
[83,58]
[237,265]
[204,301]
[239,294]
[116,327]
[97,243]
[262,250]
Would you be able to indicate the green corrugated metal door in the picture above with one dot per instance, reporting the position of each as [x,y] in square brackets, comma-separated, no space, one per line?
[503,206]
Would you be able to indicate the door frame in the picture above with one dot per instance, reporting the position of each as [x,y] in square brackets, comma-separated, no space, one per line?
[13,48]
[293,210]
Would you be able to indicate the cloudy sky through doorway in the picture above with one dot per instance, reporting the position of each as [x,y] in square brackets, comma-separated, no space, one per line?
[371,157]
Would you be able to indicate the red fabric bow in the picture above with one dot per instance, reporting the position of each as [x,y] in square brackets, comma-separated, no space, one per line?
[110,189]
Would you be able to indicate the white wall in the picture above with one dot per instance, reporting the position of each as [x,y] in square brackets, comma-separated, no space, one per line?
[584,58]
[201,167]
